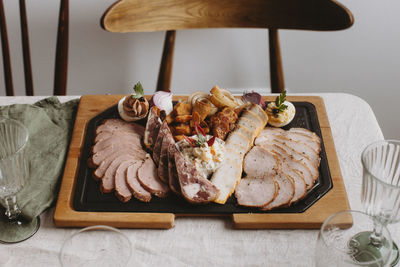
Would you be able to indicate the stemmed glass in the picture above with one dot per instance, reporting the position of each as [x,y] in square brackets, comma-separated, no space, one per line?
[381,186]
[14,170]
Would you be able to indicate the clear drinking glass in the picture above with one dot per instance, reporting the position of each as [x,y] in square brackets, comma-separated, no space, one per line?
[342,241]
[381,185]
[96,246]
[14,170]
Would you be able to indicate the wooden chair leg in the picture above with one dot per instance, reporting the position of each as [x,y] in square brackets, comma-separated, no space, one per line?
[165,73]
[275,62]
[25,49]
[6,53]
[61,66]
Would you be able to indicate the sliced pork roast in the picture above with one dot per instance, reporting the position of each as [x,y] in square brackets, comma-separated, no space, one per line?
[138,191]
[148,178]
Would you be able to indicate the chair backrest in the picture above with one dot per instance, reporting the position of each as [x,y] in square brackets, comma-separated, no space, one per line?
[61,63]
[172,15]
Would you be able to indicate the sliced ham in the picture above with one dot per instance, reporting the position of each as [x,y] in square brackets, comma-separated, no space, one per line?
[194,186]
[138,191]
[148,178]
[285,192]
[256,192]
[112,125]
[122,191]
[120,141]
[116,134]
[108,180]
[152,127]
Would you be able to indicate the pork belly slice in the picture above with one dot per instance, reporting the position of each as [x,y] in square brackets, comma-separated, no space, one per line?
[194,186]
[108,180]
[164,129]
[256,191]
[250,124]
[227,176]
[294,164]
[116,134]
[152,128]
[112,125]
[138,191]
[238,142]
[163,162]
[285,192]
[122,191]
[148,178]
[173,179]
[261,163]
[256,109]
[121,141]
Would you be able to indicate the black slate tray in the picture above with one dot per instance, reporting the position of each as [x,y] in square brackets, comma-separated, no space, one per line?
[87,195]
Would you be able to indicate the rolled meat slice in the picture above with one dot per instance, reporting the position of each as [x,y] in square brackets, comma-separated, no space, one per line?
[147,176]
[138,191]
[152,127]
[168,140]
[173,179]
[194,186]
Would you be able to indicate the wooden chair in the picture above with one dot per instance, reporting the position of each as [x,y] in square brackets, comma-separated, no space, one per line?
[172,15]
[61,63]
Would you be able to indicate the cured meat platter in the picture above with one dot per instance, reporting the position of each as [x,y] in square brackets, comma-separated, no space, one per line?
[80,203]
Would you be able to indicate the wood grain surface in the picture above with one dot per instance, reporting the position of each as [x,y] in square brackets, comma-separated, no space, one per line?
[90,106]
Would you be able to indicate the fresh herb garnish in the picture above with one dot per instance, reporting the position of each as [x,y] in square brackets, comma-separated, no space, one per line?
[279,100]
[201,137]
[139,91]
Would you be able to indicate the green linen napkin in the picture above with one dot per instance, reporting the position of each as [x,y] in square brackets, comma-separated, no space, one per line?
[50,125]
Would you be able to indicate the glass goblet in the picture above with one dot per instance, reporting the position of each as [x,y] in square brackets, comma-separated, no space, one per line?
[14,170]
[342,241]
[380,194]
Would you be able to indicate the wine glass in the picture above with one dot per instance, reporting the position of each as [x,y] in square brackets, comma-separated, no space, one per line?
[14,170]
[343,240]
[381,186]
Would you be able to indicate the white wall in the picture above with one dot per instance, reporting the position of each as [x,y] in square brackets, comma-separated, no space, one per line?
[364,60]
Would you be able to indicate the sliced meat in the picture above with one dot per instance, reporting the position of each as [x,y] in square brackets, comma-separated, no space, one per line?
[138,191]
[227,176]
[100,156]
[301,148]
[106,135]
[173,179]
[294,164]
[285,192]
[238,142]
[261,163]
[163,162]
[248,114]
[250,124]
[120,141]
[108,180]
[260,112]
[112,125]
[157,146]
[122,191]
[152,127]
[300,186]
[147,176]
[101,169]
[306,132]
[256,192]
[194,186]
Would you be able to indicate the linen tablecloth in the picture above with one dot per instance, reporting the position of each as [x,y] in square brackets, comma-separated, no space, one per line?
[212,241]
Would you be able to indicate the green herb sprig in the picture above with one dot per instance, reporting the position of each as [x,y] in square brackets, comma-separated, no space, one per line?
[139,91]
[279,100]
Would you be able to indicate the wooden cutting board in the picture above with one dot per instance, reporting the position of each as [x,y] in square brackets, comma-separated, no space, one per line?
[91,105]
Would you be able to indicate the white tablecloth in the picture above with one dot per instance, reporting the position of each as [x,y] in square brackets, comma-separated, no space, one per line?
[213,241]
